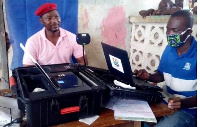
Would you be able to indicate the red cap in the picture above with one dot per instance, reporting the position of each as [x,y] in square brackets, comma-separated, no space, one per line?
[45,8]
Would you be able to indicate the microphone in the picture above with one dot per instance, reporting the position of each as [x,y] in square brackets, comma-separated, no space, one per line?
[83,39]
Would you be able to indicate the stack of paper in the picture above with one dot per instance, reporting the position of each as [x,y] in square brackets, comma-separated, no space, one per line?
[135,110]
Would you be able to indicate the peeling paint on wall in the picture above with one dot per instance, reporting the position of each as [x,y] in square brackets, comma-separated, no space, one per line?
[114,27]
[84,19]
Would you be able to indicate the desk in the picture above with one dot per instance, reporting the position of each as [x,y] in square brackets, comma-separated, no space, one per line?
[106,118]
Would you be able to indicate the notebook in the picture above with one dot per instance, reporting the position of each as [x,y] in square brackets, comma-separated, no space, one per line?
[64,82]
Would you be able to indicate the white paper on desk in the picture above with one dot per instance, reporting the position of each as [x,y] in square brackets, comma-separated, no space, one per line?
[135,110]
[89,120]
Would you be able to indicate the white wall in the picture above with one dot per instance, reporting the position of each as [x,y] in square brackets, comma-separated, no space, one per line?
[108,21]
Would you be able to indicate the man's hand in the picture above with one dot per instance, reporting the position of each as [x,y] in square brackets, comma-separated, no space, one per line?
[145,13]
[142,74]
[81,60]
[157,12]
[174,103]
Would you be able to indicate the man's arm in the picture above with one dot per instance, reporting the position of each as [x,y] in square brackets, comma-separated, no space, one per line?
[143,74]
[156,77]
[26,65]
[177,103]
[145,13]
[189,102]
[81,60]
[171,11]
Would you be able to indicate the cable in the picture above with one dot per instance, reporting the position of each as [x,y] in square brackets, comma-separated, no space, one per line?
[4,79]
[84,56]
[18,120]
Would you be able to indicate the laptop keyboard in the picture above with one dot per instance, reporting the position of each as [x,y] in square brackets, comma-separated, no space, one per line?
[59,68]
[140,85]
[106,77]
[144,90]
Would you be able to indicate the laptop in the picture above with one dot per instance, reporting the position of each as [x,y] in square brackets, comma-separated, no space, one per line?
[118,64]
[64,82]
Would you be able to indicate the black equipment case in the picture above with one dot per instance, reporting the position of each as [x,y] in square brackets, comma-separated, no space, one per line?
[54,106]
[143,90]
[84,98]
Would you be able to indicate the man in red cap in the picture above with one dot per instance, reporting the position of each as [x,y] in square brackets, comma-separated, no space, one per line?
[52,44]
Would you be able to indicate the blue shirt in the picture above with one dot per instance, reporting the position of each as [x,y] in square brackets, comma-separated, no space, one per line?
[180,72]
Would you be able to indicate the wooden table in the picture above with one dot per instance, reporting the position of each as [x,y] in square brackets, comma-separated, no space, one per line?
[106,118]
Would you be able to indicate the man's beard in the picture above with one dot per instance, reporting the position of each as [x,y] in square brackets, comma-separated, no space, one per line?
[54,31]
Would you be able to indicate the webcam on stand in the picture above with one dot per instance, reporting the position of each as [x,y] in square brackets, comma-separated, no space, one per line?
[83,39]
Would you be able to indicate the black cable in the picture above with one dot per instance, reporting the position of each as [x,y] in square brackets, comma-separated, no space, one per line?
[4,79]
[18,120]
[84,56]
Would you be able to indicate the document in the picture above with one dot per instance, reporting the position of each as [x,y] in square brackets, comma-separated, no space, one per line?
[134,110]
[89,120]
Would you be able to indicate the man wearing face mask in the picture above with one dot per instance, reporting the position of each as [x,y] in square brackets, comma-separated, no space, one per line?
[52,44]
[178,68]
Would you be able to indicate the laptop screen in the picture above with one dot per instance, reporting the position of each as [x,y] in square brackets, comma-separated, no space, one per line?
[118,63]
